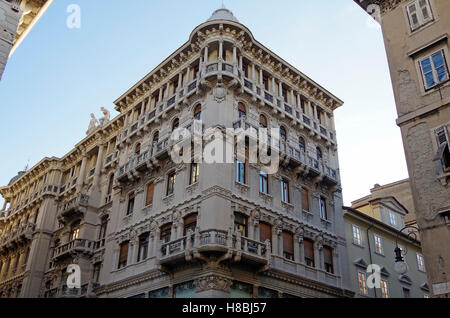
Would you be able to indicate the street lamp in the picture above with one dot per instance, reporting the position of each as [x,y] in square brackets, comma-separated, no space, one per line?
[400,265]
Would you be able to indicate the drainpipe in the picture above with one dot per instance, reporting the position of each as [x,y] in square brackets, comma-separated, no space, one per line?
[370,252]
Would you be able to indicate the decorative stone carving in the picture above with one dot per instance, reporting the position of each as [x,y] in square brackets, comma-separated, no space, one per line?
[219,92]
[213,282]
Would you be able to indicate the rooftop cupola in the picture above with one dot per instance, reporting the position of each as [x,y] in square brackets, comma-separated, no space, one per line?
[223,14]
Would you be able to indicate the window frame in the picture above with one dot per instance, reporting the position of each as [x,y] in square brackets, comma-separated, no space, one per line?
[285,196]
[263,182]
[131,203]
[310,262]
[323,213]
[122,262]
[385,289]
[240,174]
[144,242]
[421,21]
[363,291]
[360,243]
[433,69]
[148,198]
[171,179]
[378,239]
[194,173]
[420,263]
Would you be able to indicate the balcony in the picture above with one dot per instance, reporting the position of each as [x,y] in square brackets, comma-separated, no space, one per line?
[74,247]
[214,242]
[74,207]
[18,236]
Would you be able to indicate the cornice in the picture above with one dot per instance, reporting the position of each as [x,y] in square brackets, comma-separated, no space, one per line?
[385,5]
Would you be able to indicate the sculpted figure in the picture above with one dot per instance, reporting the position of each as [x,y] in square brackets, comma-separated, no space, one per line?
[92,124]
[106,116]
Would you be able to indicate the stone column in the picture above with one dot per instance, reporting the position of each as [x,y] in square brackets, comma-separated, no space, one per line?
[205,59]
[280,89]
[297,248]
[98,165]
[261,76]
[299,104]
[273,86]
[253,72]
[187,79]
[240,63]
[234,56]
[220,50]
[81,177]
[275,244]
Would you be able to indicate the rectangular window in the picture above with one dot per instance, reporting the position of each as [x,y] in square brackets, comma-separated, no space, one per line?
[393,218]
[305,200]
[328,259]
[323,208]
[406,292]
[265,233]
[190,223]
[434,70]
[171,183]
[130,206]
[240,172]
[378,245]
[75,232]
[308,246]
[420,263]
[356,235]
[288,246]
[123,256]
[166,233]
[362,283]
[385,288]
[150,192]
[143,247]
[284,191]
[419,13]
[195,172]
[240,223]
[263,182]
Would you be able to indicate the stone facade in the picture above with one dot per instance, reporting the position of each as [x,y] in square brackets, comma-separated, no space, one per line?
[416,40]
[140,225]
[17,18]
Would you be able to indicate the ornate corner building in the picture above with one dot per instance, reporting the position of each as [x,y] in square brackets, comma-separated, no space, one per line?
[416,40]
[17,18]
[140,225]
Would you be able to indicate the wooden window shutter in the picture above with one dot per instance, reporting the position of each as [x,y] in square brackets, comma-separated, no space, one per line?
[288,242]
[426,11]
[305,200]
[150,190]
[242,108]
[265,232]
[327,255]
[309,249]
[123,253]
[442,136]
[413,17]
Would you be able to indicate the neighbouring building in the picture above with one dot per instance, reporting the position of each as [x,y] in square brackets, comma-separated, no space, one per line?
[371,240]
[399,190]
[416,40]
[140,225]
[17,18]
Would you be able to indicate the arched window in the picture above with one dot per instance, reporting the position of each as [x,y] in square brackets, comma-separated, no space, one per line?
[198,112]
[242,110]
[175,124]
[301,143]
[283,134]
[319,153]
[263,121]
[156,137]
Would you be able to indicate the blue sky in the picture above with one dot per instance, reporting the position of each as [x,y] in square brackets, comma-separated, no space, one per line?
[58,76]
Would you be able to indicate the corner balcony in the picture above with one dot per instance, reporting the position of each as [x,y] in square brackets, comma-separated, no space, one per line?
[75,247]
[221,243]
[18,236]
[75,207]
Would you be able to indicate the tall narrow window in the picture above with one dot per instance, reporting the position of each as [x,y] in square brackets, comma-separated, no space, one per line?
[265,232]
[378,245]
[362,283]
[123,255]
[110,184]
[171,183]
[242,112]
[419,13]
[443,143]
[195,172]
[240,172]
[308,247]
[305,199]
[130,207]
[356,232]
[262,121]
[393,218]
[175,124]
[420,263]
[240,223]
[323,208]
[406,292]
[263,182]
[102,232]
[137,149]
[328,259]
[165,233]
[150,193]
[143,247]
[288,246]
[319,154]
[198,112]
[283,134]
[190,223]
[285,191]
[266,82]
[434,70]
[384,288]
[301,144]
[75,231]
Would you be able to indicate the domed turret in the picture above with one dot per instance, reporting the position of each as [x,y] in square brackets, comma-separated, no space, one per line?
[223,14]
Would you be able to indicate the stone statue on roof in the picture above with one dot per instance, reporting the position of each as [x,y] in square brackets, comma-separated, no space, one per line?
[106,116]
[93,124]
